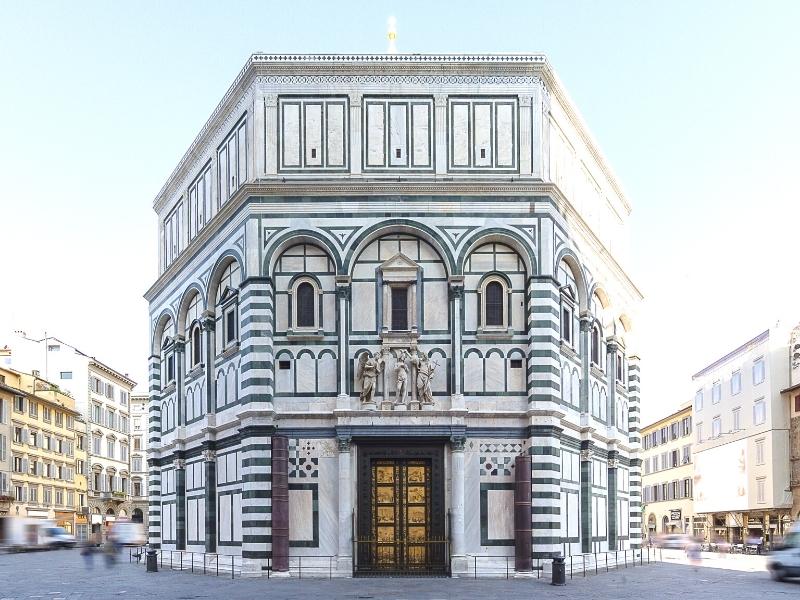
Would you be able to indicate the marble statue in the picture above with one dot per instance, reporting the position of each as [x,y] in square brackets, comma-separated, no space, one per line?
[401,375]
[425,372]
[367,375]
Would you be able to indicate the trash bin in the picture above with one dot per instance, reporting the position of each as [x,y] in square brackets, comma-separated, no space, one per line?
[559,571]
[152,561]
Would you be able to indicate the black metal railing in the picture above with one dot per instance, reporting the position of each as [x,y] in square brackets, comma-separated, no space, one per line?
[499,566]
[424,558]
[207,563]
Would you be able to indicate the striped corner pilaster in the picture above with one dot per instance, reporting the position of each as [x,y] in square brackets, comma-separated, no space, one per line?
[256,327]
[544,363]
[545,451]
[635,440]
[154,503]
[154,444]
[256,515]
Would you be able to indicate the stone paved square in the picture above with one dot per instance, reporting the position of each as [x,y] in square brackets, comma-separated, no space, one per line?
[63,574]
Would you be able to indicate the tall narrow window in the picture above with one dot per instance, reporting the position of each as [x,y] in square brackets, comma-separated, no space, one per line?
[494,304]
[230,326]
[399,308]
[566,325]
[196,346]
[595,345]
[305,305]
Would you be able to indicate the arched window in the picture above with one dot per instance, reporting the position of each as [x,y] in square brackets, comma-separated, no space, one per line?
[494,303]
[569,301]
[196,346]
[596,345]
[306,309]
[227,294]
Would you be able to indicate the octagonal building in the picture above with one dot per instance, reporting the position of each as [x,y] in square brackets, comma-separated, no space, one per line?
[392,306]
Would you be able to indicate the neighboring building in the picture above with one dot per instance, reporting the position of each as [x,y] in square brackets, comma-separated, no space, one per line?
[741,453]
[667,474]
[102,396]
[792,399]
[408,274]
[7,395]
[139,418]
[42,449]
[81,480]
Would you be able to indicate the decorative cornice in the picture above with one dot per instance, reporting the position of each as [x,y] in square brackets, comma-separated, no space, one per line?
[418,59]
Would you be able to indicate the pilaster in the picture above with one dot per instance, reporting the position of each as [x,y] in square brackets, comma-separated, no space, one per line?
[545,452]
[457,534]
[586,495]
[180,373]
[342,330]
[256,327]
[635,442]
[344,555]
[270,167]
[180,503]
[256,469]
[525,102]
[583,352]
[355,132]
[611,505]
[208,325]
[210,479]
[440,138]
[612,346]
[544,338]
[153,442]
[456,326]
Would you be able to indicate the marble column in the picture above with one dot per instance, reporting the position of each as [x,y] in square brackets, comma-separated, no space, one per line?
[180,504]
[209,329]
[456,296]
[180,372]
[458,560]
[586,496]
[210,479]
[344,562]
[583,351]
[613,458]
[611,347]
[343,300]
[523,536]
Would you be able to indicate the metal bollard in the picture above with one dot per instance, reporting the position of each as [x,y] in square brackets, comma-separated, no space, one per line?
[559,571]
[152,561]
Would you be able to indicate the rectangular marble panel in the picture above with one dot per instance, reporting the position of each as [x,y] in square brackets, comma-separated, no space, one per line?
[284,378]
[326,373]
[420,136]
[306,379]
[507,262]
[222,173]
[336,135]
[398,131]
[500,514]
[329,312]
[518,311]
[470,312]
[472,506]
[434,270]
[495,373]
[504,134]
[191,519]
[376,135]
[290,135]
[410,248]
[482,134]
[224,504]
[281,312]
[389,248]
[313,134]
[301,515]
[236,508]
[426,252]
[473,373]
[363,311]
[517,377]
[241,138]
[481,262]
[460,134]
[317,264]
[365,270]
[435,305]
[293,264]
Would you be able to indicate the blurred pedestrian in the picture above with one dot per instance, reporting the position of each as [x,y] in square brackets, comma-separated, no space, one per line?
[87,551]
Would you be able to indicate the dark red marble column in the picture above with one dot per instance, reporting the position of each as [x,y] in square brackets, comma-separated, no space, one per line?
[522,514]
[280,503]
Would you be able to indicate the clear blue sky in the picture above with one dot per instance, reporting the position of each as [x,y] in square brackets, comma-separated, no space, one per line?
[695,104]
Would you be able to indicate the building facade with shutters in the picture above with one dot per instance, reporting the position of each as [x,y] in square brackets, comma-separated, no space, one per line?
[138,487]
[102,396]
[398,278]
[667,476]
[741,448]
[791,396]
[41,449]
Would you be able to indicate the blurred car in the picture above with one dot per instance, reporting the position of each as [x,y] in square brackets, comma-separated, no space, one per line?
[674,541]
[128,533]
[784,561]
[58,537]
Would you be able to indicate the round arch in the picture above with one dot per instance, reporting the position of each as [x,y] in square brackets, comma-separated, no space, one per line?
[293,238]
[569,257]
[163,319]
[183,307]
[222,263]
[501,236]
[137,516]
[393,226]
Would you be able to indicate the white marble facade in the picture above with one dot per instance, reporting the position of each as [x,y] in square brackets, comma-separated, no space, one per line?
[405,250]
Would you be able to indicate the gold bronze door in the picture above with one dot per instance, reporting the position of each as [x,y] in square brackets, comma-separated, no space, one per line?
[401,512]
[401,520]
